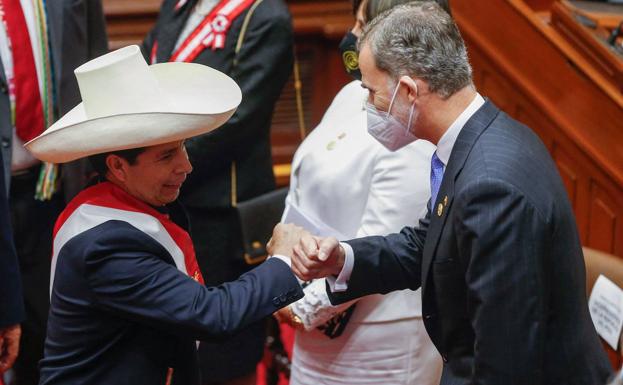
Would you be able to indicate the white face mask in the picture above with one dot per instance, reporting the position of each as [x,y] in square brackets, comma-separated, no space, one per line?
[388,130]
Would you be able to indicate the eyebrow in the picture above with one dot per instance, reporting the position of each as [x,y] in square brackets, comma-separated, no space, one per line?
[367,87]
[167,152]
[172,150]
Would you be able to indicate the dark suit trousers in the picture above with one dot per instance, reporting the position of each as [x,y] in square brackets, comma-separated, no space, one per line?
[33,223]
[218,246]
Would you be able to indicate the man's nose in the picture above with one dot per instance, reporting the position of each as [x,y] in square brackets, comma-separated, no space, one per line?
[185,165]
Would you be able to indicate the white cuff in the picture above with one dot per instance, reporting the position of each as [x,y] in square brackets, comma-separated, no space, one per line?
[287,260]
[341,283]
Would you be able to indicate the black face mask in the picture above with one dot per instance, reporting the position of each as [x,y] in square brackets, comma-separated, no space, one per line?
[350,56]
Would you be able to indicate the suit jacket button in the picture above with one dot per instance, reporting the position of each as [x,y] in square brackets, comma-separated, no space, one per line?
[6,143]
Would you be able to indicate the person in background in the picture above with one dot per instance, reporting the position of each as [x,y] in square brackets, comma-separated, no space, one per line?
[344,178]
[253,45]
[11,303]
[41,42]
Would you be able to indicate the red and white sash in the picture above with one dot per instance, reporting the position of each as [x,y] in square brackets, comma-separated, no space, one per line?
[106,201]
[211,32]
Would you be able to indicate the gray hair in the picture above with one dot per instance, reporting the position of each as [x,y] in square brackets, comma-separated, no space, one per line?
[420,39]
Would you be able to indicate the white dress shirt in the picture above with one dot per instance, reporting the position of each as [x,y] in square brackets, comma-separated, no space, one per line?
[444,149]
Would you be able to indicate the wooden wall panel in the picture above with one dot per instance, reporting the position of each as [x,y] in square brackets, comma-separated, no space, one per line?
[523,66]
[604,219]
[526,51]
[496,88]
[532,117]
[129,21]
[568,172]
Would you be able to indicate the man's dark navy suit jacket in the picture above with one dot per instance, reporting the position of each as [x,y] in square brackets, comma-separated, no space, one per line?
[500,264]
[122,313]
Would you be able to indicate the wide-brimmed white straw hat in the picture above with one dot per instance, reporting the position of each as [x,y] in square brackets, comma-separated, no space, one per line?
[128,104]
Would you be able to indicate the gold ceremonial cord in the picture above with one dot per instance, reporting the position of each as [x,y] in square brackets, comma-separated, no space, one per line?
[298,86]
[243,32]
[234,193]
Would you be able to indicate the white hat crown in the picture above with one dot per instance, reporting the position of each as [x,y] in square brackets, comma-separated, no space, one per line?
[119,82]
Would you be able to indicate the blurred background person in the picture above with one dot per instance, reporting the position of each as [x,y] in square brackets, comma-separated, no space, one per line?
[11,303]
[348,184]
[41,42]
[252,42]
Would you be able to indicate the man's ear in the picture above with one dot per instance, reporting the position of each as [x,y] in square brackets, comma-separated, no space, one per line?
[117,167]
[411,86]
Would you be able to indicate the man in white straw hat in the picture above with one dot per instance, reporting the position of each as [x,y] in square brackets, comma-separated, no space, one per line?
[126,294]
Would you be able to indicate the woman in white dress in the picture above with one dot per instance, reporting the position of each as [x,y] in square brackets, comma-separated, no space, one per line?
[346,184]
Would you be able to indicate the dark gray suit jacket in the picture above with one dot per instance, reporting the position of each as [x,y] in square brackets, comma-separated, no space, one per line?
[11,304]
[499,262]
[77,34]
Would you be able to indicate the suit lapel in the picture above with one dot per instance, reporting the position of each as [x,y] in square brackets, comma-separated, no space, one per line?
[439,210]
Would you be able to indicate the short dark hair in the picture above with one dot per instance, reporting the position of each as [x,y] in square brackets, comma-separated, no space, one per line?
[98,161]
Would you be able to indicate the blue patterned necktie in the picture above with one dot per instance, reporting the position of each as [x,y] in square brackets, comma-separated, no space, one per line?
[436,175]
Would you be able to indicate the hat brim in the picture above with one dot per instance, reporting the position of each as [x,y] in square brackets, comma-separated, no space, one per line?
[201,99]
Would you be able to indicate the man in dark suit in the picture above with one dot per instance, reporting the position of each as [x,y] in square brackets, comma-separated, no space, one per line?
[66,35]
[234,163]
[498,256]
[11,304]
[127,299]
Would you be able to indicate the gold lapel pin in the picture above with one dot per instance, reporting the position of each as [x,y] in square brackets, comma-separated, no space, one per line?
[445,200]
[440,209]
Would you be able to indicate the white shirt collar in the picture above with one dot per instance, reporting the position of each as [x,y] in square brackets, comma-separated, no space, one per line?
[446,143]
